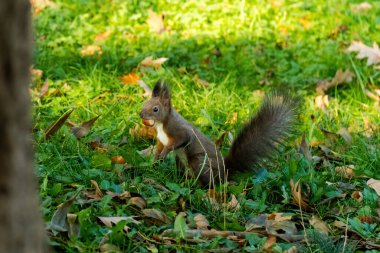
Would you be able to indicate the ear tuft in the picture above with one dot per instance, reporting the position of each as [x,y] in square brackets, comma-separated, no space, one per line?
[157,89]
[165,92]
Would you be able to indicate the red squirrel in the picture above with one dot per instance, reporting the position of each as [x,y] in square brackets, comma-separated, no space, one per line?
[258,139]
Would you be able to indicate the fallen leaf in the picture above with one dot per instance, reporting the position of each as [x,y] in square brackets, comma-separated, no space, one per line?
[319,225]
[73,225]
[156,22]
[154,216]
[200,82]
[36,74]
[55,126]
[138,201]
[233,204]
[58,222]
[146,152]
[278,227]
[371,53]
[278,217]
[201,221]
[102,36]
[44,89]
[130,78]
[271,240]
[109,248]
[345,134]
[84,128]
[374,184]
[118,160]
[148,91]
[362,7]
[357,195]
[292,249]
[298,199]
[108,221]
[322,101]
[91,50]
[372,95]
[340,224]
[339,79]
[346,171]
[256,222]
[39,5]
[150,62]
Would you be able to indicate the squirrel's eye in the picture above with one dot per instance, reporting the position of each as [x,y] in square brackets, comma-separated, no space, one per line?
[155,109]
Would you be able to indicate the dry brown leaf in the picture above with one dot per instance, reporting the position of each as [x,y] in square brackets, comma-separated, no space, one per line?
[154,216]
[339,79]
[58,222]
[340,224]
[271,240]
[319,225]
[278,217]
[103,36]
[108,221]
[255,223]
[150,62]
[36,74]
[118,159]
[345,134]
[201,221]
[130,78]
[322,101]
[200,82]
[39,5]
[292,249]
[55,126]
[109,248]
[274,227]
[147,90]
[298,199]
[91,50]
[371,53]
[44,89]
[138,201]
[73,225]
[147,152]
[357,195]
[84,128]
[156,22]
[346,171]
[233,204]
[372,95]
[374,184]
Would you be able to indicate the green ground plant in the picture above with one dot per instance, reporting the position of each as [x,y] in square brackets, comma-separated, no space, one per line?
[221,56]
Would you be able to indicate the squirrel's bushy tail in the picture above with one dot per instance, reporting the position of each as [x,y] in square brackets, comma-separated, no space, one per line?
[264,133]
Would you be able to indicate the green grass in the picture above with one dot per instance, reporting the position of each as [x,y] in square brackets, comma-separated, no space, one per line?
[263,46]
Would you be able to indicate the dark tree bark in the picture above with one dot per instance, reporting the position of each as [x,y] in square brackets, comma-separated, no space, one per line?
[21,228]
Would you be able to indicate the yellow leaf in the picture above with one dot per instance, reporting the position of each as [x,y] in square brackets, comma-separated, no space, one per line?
[130,78]
[91,50]
[346,171]
[297,195]
[156,22]
[319,225]
[102,36]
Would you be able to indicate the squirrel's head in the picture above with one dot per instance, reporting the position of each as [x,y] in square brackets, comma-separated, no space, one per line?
[158,108]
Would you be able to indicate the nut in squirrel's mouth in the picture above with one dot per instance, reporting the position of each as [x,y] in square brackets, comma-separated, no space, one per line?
[148,122]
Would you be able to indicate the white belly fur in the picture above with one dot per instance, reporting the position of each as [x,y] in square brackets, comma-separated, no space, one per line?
[161,135]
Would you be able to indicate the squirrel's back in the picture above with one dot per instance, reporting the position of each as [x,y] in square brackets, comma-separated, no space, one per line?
[264,133]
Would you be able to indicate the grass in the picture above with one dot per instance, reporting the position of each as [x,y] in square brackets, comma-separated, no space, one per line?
[276,44]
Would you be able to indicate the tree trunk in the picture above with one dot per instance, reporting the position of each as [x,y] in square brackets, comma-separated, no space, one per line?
[21,228]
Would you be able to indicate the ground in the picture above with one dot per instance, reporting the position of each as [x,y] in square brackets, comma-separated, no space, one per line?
[219,58]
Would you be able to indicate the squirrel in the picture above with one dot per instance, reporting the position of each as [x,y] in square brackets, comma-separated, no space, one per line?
[259,138]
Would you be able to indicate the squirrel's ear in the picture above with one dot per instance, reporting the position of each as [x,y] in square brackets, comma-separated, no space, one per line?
[165,93]
[156,89]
